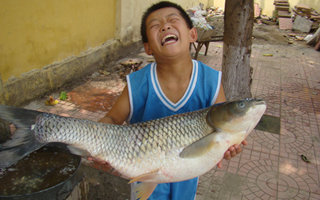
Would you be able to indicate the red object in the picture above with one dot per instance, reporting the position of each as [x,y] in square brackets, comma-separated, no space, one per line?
[317,47]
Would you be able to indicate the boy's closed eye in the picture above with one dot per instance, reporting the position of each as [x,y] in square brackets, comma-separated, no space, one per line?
[173,19]
[154,26]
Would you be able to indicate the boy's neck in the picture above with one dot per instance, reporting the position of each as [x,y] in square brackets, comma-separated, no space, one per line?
[179,68]
[174,78]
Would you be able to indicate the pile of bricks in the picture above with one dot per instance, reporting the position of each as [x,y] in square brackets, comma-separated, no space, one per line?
[308,13]
[283,14]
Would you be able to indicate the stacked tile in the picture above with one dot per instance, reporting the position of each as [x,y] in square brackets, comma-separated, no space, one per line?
[308,13]
[284,16]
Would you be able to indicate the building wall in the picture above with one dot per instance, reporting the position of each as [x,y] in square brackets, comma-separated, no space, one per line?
[36,33]
[268,7]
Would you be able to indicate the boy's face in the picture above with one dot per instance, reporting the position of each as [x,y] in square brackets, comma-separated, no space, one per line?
[168,33]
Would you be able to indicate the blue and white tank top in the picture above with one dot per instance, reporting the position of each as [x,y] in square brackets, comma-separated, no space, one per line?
[148,102]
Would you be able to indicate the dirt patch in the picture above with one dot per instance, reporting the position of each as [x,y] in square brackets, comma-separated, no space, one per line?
[97,94]
[269,34]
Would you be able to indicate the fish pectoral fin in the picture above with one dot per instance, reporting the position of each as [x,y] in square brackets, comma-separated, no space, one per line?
[145,177]
[144,190]
[78,150]
[199,147]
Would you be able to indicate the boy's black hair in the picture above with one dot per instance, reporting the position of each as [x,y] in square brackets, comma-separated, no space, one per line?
[157,6]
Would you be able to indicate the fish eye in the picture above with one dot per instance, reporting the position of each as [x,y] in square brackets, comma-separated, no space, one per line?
[241,105]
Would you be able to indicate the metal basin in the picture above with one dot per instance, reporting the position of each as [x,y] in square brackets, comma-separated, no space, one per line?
[48,173]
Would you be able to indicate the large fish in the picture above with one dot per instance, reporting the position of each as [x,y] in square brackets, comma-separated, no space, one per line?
[170,149]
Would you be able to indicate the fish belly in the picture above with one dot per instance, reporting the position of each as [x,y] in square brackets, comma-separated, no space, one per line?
[170,167]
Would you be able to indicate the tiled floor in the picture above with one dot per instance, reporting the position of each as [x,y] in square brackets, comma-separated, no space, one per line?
[270,166]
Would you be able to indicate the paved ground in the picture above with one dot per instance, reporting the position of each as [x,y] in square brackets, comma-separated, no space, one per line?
[270,167]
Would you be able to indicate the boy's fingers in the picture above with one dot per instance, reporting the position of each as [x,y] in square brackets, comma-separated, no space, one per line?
[219,165]
[227,155]
[12,128]
[96,160]
[233,153]
[102,165]
[238,149]
[232,148]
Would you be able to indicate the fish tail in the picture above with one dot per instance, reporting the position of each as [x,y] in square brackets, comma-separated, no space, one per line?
[22,141]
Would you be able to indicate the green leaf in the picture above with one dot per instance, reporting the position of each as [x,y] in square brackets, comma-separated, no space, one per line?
[63,96]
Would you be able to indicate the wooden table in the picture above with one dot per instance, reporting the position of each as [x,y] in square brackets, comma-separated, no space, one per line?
[199,46]
[206,43]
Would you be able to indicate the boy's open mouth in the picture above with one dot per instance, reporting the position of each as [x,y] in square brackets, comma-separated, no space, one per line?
[168,39]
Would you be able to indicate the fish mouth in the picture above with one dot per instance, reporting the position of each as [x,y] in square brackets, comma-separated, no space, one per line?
[259,102]
[168,39]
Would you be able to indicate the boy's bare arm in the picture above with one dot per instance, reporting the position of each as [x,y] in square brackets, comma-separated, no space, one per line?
[221,96]
[119,111]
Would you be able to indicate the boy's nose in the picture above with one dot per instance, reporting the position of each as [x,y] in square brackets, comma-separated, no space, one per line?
[166,27]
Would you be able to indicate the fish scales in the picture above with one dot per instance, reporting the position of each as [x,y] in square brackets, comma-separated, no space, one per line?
[122,146]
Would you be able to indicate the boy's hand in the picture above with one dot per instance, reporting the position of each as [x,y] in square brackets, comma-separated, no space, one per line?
[102,165]
[231,152]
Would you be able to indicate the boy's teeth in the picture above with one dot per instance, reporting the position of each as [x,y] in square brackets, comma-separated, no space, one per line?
[169,38]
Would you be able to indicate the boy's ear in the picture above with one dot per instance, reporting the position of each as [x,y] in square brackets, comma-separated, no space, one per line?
[193,34]
[147,48]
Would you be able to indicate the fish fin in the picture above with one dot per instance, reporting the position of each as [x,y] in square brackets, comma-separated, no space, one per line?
[22,142]
[145,176]
[198,147]
[78,151]
[144,190]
